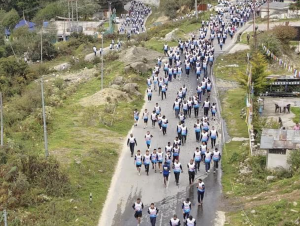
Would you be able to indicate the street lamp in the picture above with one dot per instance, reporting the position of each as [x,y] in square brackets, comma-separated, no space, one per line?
[102,61]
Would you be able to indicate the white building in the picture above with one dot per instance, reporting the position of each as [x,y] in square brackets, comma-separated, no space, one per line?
[279,143]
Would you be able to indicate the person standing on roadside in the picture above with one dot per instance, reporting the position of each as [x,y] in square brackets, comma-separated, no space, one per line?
[138,207]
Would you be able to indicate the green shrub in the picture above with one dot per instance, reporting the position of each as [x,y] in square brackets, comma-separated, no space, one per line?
[294,161]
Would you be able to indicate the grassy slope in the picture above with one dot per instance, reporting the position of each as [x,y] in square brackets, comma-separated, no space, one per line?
[296,111]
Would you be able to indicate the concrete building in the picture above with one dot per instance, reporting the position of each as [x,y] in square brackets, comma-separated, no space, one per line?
[279,143]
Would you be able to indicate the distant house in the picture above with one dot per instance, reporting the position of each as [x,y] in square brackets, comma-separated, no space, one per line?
[277,10]
[279,143]
[22,23]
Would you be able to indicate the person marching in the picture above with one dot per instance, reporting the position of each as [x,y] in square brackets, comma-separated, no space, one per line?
[179,129]
[197,127]
[154,158]
[145,117]
[153,118]
[153,211]
[197,157]
[185,108]
[164,88]
[136,117]
[131,142]
[190,105]
[177,167]
[184,132]
[213,136]
[207,160]
[157,109]
[148,138]
[200,191]
[216,159]
[168,158]
[191,221]
[176,107]
[146,161]
[213,111]
[159,120]
[149,93]
[175,221]
[138,207]
[206,106]
[186,209]
[166,173]
[160,158]
[176,152]
[191,169]
[164,124]
[138,161]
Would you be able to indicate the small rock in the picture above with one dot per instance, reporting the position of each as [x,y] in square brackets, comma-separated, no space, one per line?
[270,178]
[295,203]
[295,211]
[76,220]
[78,162]
[114,86]
[253,211]
[101,171]
[71,200]
[75,207]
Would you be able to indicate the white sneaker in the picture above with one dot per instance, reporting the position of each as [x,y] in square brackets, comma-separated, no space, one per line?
[208,170]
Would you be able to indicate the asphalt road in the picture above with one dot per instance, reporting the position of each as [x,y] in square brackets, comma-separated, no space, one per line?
[127,185]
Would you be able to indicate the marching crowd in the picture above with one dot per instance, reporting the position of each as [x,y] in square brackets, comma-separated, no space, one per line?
[192,57]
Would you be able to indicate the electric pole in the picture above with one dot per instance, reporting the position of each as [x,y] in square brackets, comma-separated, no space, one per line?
[5,217]
[72,14]
[42,42]
[268,24]
[44,120]
[1,118]
[102,67]
[254,25]
[77,15]
[196,9]
[69,12]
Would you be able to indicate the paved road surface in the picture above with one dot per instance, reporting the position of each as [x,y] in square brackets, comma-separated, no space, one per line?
[127,185]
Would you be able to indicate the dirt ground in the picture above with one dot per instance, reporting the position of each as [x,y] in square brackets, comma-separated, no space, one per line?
[107,95]
[269,110]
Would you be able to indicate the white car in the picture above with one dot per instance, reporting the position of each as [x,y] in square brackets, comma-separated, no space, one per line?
[221,7]
[117,20]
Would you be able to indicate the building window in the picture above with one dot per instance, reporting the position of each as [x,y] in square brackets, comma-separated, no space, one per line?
[277,151]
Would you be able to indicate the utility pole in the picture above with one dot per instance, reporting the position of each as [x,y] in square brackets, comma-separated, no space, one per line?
[5,217]
[42,42]
[1,118]
[102,67]
[72,13]
[69,12]
[268,24]
[77,15]
[44,120]
[196,9]
[254,25]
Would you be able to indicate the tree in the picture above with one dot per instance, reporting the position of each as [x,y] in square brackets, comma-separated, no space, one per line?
[10,19]
[259,74]
[284,33]
[87,8]
[50,11]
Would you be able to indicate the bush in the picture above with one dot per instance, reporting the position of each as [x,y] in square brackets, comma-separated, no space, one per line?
[111,56]
[284,33]
[270,40]
[294,161]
